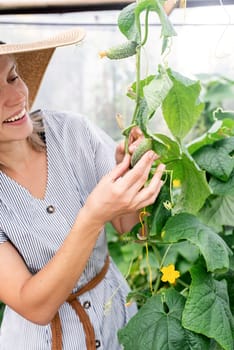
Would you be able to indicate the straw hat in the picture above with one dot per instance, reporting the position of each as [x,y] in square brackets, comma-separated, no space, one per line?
[33,57]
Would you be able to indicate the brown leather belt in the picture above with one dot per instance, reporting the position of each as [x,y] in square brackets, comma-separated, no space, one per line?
[56,327]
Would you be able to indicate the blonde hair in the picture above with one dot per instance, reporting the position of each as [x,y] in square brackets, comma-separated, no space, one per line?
[37,138]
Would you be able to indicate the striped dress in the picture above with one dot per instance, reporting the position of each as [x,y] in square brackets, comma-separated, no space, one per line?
[78,155]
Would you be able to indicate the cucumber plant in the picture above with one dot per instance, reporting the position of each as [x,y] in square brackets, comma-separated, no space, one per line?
[183,245]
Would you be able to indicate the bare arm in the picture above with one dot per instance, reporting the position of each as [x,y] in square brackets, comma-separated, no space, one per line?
[38,297]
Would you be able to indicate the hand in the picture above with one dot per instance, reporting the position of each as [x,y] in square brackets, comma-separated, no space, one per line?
[135,137]
[122,191]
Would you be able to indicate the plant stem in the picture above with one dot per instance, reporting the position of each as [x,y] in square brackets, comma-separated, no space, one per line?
[138,71]
[157,283]
[158,279]
[165,254]
[149,267]
[157,253]
[161,264]
[184,291]
[182,283]
[146,27]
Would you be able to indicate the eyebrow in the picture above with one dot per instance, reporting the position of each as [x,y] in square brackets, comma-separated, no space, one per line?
[12,68]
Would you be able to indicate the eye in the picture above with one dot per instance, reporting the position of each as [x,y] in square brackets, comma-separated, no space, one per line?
[13,78]
[13,74]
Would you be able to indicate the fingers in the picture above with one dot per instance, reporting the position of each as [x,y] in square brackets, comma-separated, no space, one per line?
[135,134]
[120,152]
[123,191]
[140,170]
[158,174]
[130,184]
[138,175]
[149,198]
[149,194]
[135,138]
[121,168]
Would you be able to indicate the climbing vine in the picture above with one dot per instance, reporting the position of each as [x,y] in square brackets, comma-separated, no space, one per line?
[185,255]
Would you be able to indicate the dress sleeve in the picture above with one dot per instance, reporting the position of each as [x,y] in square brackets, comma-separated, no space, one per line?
[104,148]
[3,237]
[87,149]
[86,143]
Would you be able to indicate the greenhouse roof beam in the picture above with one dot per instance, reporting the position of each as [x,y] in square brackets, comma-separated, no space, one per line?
[62,6]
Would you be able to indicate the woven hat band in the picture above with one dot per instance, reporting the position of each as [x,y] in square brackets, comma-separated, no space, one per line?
[31,67]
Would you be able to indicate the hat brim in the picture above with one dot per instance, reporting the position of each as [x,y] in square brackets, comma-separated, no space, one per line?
[33,58]
[64,38]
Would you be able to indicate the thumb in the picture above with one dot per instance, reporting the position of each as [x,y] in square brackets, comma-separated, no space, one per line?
[121,168]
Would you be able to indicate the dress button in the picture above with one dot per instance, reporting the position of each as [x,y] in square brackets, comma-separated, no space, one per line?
[86,304]
[98,343]
[50,209]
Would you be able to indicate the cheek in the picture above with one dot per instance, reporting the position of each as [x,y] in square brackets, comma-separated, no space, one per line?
[24,88]
[25,92]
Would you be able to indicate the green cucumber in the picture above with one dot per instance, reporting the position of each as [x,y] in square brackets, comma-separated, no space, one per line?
[124,50]
[144,146]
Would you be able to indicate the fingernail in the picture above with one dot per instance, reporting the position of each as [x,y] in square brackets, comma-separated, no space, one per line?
[161,167]
[132,148]
[152,155]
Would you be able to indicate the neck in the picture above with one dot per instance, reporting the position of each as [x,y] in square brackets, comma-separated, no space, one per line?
[16,155]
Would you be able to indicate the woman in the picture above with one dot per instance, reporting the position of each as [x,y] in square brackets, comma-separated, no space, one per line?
[59,186]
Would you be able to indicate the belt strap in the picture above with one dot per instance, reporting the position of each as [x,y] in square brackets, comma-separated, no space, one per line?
[56,327]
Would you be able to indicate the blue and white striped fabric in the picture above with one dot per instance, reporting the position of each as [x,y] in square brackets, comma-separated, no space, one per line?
[78,155]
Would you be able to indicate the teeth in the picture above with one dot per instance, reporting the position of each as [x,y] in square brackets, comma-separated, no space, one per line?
[16,117]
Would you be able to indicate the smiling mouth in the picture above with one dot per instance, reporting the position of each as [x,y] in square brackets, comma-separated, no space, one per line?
[16,117]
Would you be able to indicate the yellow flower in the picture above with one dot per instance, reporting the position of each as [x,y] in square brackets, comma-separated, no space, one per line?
[176,183]
[169,274]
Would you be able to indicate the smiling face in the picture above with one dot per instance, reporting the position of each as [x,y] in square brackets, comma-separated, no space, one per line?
[15,123]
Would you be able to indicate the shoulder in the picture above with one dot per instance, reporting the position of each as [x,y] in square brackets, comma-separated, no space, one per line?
[75,126]
[62,120]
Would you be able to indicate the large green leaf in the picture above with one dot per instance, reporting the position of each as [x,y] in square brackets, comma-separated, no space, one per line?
[129,19]
[222,188]
[142,115]
[156,91]
[194,188]
[218,91]
[219,130]
[207,308]
[159,212]
[182,254]
[187,227]
[181,107]
[157,326]
[216,159]
[124,254]
[218,212]
[229,277]
[174,151]
[219,113]
[144,82]
[127,23]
